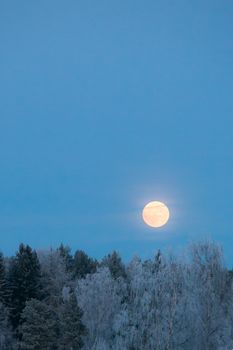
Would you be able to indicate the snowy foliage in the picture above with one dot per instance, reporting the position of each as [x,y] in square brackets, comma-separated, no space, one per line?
[100,297]
[165,304]
[61,301]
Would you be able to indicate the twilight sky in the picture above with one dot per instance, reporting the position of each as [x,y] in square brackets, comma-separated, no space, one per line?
[106,105]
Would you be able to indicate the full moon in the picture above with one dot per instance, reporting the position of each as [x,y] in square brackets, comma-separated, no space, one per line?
[155,214]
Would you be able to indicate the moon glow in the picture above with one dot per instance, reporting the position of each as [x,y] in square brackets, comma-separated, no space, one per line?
[155,214]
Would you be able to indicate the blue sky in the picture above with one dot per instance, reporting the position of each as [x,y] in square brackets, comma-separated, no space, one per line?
[107,105]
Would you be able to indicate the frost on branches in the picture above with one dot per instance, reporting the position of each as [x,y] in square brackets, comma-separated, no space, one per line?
[53,300]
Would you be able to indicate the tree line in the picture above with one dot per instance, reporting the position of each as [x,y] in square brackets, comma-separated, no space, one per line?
[55,300]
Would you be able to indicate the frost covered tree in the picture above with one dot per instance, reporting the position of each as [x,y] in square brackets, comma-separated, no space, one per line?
[54,275]
[212,295]
[161,307]
[163,303]
[100,298]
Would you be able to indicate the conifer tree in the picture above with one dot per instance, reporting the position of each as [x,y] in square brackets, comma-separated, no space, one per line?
[39,328]
[24,281]
[64,252]
[114,263]
[7,341]
[47,327]
[3,282]
[71,326]
[83,264]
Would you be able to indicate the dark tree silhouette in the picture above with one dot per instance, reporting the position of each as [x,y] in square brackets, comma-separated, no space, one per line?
[83,264]
[23,281]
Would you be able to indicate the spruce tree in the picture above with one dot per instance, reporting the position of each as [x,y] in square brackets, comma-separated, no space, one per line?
[3,282]
[114,263]
[39,327]
[64,252]
[83,264]
[47,327]
[24,281]
[7,341]
[71,327]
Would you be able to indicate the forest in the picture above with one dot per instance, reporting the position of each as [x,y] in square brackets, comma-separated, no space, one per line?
[56,300]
